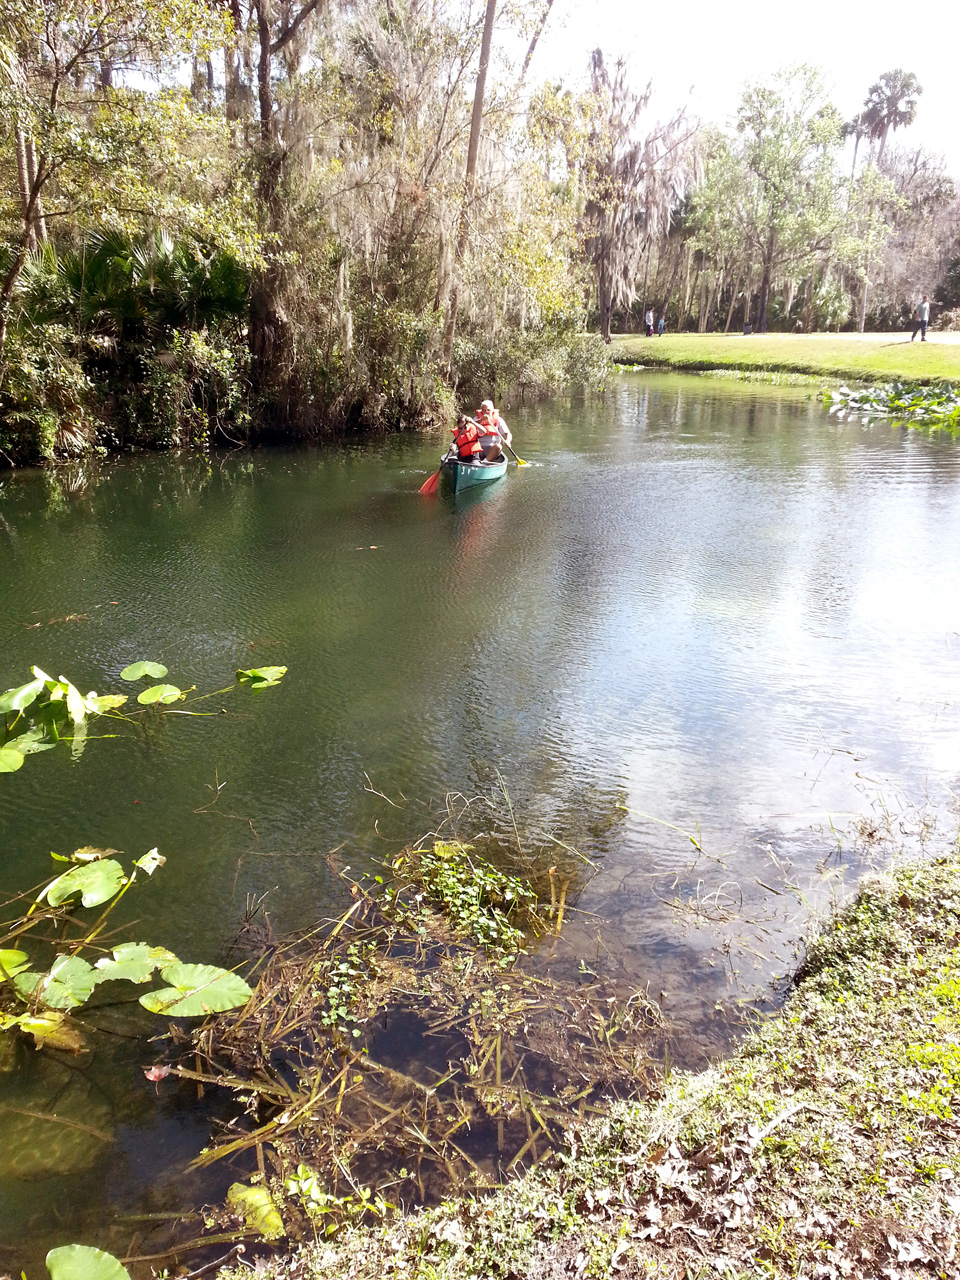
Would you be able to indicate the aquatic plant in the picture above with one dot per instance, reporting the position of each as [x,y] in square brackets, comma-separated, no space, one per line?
[36,716]
[401,1050]
[908,403]
[38,1001]
[486,904]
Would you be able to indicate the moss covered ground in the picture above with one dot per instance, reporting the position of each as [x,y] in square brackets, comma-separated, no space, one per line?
[827,1146]
[872,357]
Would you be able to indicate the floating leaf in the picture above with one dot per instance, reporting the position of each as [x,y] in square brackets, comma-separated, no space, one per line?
[10,760]
[96,882]
[67,985]
[18,699]
[104,702]
[133,962]
[90,853]
[195,990]
[12,962]
[76,707]
[159,693]
[262,677]
[35,739]
[56,1030]
[150,861]
[80,1262]
[137,671]
[255,1205]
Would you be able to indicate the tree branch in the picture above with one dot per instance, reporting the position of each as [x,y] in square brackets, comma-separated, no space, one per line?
[289,32]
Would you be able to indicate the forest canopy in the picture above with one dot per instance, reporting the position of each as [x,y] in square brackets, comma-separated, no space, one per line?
[301,217]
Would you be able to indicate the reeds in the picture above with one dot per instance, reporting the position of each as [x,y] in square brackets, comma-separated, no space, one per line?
[403,1049]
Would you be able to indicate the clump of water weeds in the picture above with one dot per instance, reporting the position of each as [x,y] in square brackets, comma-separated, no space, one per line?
[402,1052]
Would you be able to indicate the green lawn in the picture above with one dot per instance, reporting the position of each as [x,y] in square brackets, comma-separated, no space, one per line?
[874,357]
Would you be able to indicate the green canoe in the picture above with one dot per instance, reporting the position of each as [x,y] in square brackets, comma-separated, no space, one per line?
[466,475]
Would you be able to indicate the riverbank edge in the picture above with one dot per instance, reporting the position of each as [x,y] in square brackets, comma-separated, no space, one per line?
[772,354]
[827,1145]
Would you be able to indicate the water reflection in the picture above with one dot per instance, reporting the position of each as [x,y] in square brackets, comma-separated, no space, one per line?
[705,609]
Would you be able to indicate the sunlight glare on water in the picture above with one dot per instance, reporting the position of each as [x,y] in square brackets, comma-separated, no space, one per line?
[705,609]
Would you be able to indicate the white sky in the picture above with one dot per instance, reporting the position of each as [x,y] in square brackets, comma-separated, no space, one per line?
[715,46]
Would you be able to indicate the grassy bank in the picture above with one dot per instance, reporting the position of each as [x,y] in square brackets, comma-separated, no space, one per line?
[874,357]
[828,1146]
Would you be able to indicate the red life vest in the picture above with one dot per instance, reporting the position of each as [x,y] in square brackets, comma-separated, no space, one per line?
[467,441]
[490,422]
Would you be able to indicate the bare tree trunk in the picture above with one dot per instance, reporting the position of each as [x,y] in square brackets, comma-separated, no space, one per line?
[712,308]
[685,312]
[604,299]
[39,221]
[702,303]
[23,177]
[765,283]
[673,281]
[264,91]
[343,306]
[470,181]
[733,302]
[538,32]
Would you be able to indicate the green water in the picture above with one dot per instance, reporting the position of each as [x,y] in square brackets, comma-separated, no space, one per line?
[703,603]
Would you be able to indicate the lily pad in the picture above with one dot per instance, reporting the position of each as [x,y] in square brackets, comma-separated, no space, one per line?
[21,697]
[81,1262]
[104,702]
[54,1030]
[150,861]
[10,760]
[90,853]
[66,985]
[159,693]
[137,671]
[133,962]
[35,739]
[196,990]
[76,707]
[96,882]
[12,963]
[255,1205]
[262,677]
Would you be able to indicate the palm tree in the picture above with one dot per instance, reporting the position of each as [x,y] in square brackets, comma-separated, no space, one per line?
[890,104]
[857,130]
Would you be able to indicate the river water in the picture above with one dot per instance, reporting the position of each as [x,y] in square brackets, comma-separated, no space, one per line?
[709,637]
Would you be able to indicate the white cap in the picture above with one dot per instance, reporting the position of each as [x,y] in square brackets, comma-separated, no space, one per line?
[487,404]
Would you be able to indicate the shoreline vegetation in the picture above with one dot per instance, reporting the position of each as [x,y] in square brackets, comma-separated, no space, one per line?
[827,1145]
[866,358]
[356,218]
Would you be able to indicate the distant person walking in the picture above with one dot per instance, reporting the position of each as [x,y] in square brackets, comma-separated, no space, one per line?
[660,324]
[921,318]
[648,323]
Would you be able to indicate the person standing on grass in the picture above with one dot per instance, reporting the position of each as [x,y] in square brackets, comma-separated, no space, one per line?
[648,323]
[660,325]
[921,318]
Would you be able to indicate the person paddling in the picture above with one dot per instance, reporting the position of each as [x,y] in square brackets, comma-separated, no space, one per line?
[466,440]
[493,430]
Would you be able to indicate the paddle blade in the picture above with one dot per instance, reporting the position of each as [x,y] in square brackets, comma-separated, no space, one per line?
[430,486]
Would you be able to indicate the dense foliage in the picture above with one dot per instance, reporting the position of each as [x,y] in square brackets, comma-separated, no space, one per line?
[306,216]
[276,246]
